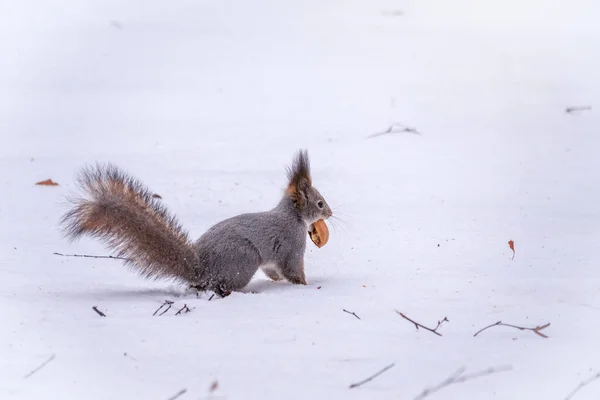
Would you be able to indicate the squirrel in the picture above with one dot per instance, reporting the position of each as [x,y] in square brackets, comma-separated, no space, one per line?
[122,212]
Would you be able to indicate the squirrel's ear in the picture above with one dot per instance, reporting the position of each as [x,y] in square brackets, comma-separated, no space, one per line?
[299,179]
[299,193]
[303,187]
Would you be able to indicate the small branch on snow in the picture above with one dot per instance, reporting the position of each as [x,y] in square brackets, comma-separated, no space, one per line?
[100,313]
[211,297]
[417,325]
[178,394]
[535,330]
[166,303]
[183,309]
[91,256]
[351,313]
[52,357]
[392,13]
[573,110]
[581,385]
[395,128]
[369,379]
[458,377]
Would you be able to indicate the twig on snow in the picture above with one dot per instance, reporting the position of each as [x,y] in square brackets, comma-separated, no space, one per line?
[395,128]
[183,309]
[90,256]
[178,394]
[166,303]
[211,297]
[52,357]
[572,110]
[581,385]
[458,377]
[535,330]
[351,313]
[392,13]
[369,379]
[100,313]
[417,325]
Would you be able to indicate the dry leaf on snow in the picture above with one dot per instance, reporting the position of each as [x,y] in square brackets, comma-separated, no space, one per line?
[511,244]
[47,182]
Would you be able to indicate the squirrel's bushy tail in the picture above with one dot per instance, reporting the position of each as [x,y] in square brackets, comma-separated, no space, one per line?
[122,212]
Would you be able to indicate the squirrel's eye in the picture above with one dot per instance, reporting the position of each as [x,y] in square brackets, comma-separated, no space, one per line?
[320,203]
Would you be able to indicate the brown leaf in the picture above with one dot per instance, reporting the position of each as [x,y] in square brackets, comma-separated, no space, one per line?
[511,244]
[47,182]
[213,386]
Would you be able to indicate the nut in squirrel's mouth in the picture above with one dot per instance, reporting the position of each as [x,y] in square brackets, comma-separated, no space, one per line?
[319,233]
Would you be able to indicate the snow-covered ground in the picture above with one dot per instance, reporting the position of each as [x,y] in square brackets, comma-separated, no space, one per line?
[206,102]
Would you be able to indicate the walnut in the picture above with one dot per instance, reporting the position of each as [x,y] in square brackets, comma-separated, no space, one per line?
[319,234]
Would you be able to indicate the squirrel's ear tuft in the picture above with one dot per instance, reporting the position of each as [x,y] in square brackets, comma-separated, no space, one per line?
[299,179]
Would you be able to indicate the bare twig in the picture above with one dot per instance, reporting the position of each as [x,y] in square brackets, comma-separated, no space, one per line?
[572,110]
[369,379]
[417,325]
[90,256]
[395,128]
[178,394]
[116,24]
[392,13]
[183,309]
[52,357]
[535,330]
[351,313]
[458,377]
[581,385]
[100,313]
[166,303]
[211,297]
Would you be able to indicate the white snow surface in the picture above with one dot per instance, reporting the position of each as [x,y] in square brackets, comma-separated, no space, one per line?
[206,102]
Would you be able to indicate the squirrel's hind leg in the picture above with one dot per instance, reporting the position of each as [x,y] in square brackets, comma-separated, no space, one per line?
[218,289]
[196,289]
[221,291]
[293,271]
[271,272]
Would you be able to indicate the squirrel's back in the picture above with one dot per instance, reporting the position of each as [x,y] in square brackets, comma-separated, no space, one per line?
[266,237]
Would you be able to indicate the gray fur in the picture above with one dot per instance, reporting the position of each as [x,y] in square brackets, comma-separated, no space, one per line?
[119,210]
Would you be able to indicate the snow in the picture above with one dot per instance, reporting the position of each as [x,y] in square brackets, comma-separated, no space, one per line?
[206,103]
